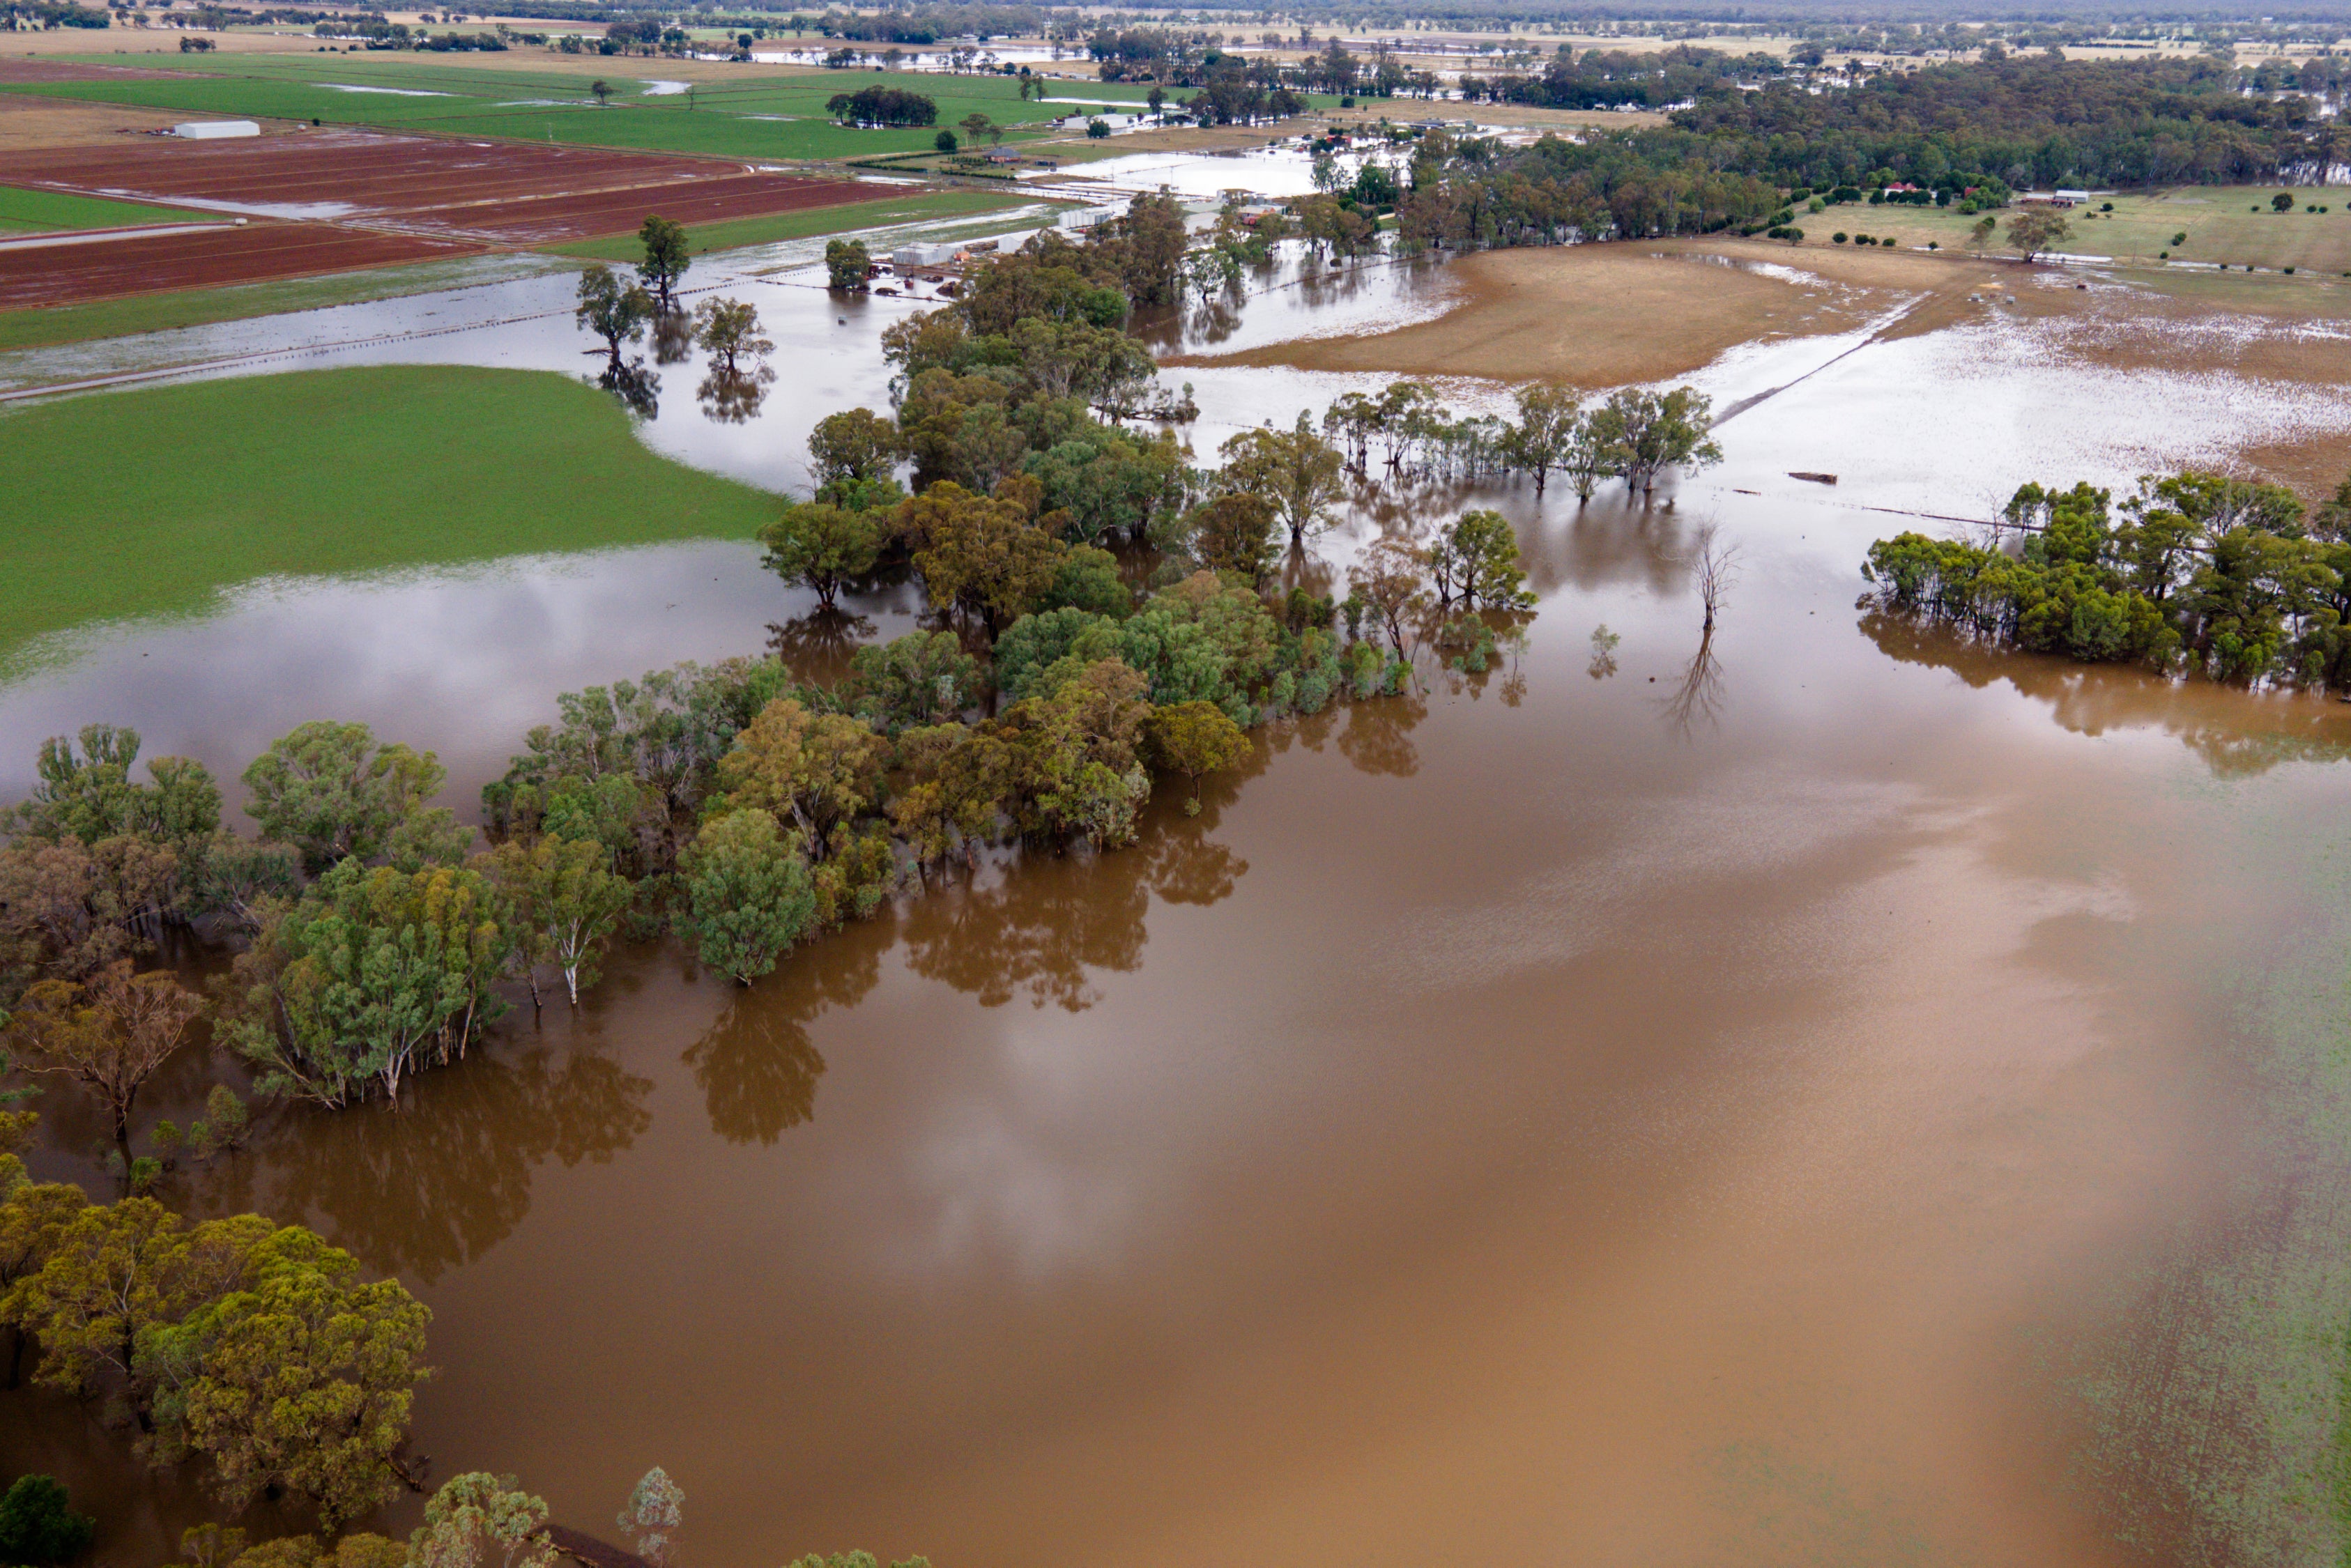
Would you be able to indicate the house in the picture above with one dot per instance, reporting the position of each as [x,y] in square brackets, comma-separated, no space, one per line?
[2072,198]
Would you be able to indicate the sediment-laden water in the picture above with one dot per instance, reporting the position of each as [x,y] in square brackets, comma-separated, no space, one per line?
[1826,1093]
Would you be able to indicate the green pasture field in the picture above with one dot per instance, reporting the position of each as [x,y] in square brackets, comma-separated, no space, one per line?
[740,232]
[38,212]
[51,325]
[2215,218]
[762,115]
[321,472]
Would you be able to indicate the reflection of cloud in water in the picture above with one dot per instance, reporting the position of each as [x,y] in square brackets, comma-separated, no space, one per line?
[464,661]
[1775,852]
[1952,422]
[1011,1175]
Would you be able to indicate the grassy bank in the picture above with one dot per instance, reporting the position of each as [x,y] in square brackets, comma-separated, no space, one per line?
[741,232]
[36,212]
[56,324]
[2218,221]
[322,472]
[755,115]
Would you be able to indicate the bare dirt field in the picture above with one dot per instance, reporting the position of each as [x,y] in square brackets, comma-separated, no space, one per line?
[29,123]
[1600,315]
[328,201]
[144,41]
[492,192]
[86,269]
[1603,316]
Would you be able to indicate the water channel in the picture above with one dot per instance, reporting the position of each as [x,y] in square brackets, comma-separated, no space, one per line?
[1820,1094]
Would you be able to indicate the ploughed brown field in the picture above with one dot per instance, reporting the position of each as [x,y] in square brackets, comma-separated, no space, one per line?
[386,199]
[209,257]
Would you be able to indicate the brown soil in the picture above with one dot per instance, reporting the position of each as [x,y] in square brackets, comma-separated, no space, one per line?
[1600,315]
[408,198]
[20,70]
[205,258]
[498,192]
[147,41]
[28,123]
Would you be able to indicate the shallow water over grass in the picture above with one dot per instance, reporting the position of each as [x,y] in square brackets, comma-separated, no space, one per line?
[1790,1097]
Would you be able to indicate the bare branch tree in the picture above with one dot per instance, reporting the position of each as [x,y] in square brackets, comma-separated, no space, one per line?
[1714,567]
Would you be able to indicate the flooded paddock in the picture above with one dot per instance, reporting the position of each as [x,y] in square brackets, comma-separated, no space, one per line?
[1828,1093]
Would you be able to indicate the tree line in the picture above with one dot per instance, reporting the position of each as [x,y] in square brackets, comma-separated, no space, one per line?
[2228,578]
[1743,156]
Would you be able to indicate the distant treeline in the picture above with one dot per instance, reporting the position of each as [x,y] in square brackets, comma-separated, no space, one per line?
[1614,79]
[43,14]
[2034,120]
[1743,154]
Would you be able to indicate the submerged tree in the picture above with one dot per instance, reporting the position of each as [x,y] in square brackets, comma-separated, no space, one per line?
[822,546]
[729,332]
[481,1520]
[847,263]
[1477,559]
[1194,739]
[668,257]
[1645,433]
[109,1035]
[298,1382]
[613,310]
[749,895]
[373,975]
[1295,472]
[330,791]
[655,1513]
[562,904]
[1549,419]
[1714,567]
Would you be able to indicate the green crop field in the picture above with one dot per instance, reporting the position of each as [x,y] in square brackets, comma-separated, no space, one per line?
[322,472]
[34,211]
[2218,221]
[51,325]
[758,116]
[937,206]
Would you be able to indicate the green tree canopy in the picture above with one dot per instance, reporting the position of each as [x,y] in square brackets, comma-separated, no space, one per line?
[668,257]
[749,895]
[330,791]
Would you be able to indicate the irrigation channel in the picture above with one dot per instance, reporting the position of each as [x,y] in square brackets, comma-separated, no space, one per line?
[1833,1095]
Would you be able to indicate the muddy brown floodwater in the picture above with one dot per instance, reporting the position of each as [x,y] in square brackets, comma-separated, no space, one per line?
[1721,1103]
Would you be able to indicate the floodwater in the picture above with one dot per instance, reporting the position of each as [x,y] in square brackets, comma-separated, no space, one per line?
[1732,1100]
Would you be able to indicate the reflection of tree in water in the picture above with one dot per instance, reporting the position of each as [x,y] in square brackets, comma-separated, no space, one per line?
[672,336]
[1213,321]
[638,388]
[1378,737]
[1698,698]
[2237,734]
[440,1181]
[1037,929]
[732,399]
[817,646]
[1042,928]
[1303,568]
[756,1065]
